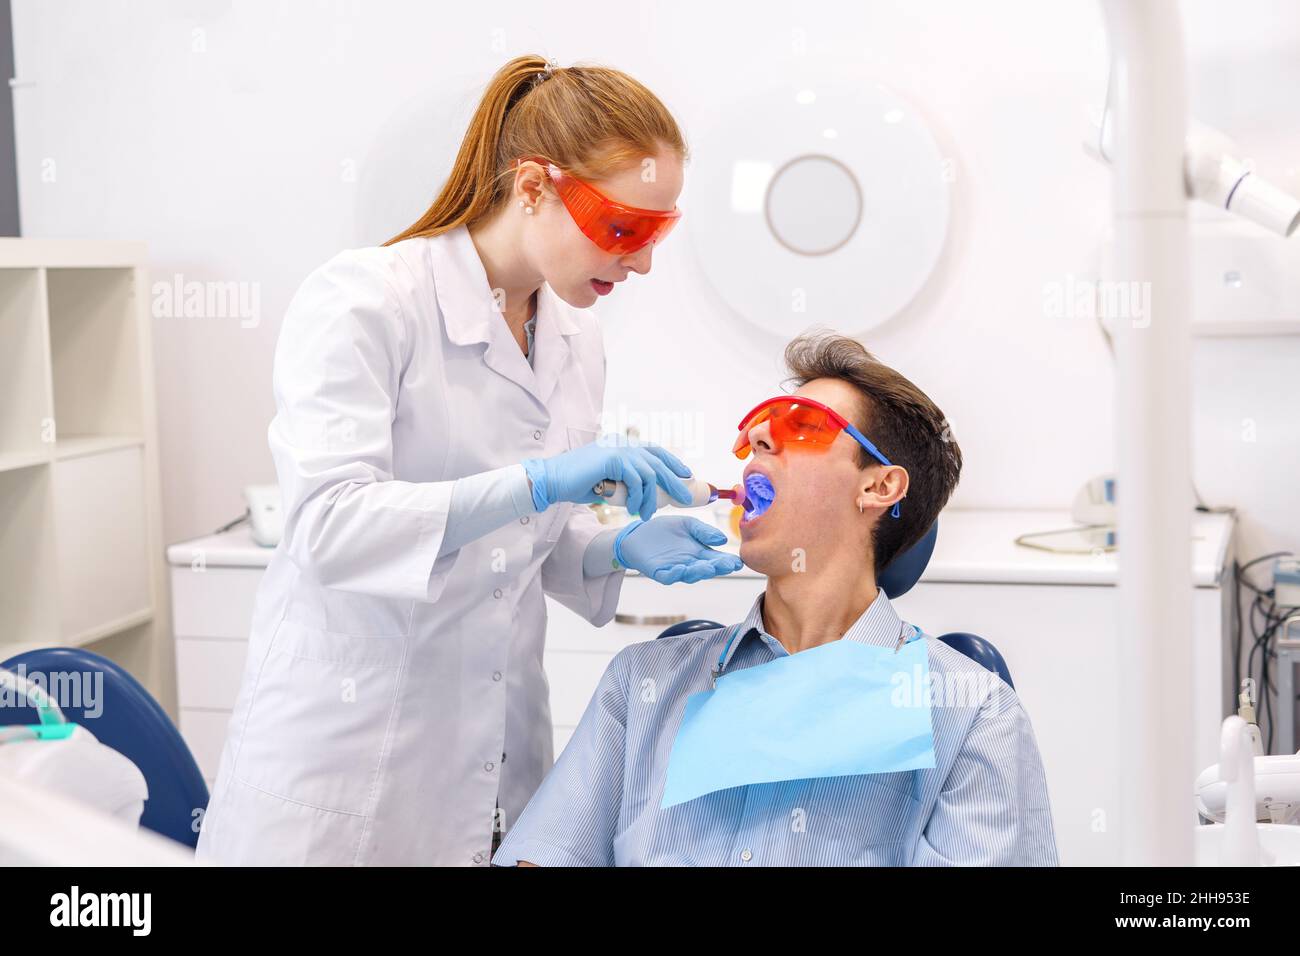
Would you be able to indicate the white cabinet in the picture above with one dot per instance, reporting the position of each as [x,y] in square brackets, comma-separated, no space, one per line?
[214,583]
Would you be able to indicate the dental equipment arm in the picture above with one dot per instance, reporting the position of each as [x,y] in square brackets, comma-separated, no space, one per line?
[1215,173]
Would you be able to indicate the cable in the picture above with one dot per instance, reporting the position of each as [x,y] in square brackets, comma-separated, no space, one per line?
[238,521]
[1265,617]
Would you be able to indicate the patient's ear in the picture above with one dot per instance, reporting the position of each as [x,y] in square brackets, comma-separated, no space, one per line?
[882,485]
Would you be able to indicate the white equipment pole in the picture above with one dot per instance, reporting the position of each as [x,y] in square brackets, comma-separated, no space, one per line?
[1153,408]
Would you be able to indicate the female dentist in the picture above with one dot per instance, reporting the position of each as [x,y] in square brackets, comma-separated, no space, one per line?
[435,437]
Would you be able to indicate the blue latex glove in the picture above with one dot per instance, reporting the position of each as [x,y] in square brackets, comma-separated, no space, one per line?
[571,475]
[674,548]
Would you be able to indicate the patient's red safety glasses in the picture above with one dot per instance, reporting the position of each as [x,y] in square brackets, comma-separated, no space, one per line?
[618,229]
[803,422]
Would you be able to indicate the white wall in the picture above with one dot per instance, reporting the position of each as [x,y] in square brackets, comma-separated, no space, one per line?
[250,141]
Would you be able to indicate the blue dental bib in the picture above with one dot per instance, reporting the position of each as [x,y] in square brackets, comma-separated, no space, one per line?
[840,709]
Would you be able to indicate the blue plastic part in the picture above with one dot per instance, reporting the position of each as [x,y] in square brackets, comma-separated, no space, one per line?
[759,495]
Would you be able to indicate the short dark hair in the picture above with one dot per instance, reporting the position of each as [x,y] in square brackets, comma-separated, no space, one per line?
[900,419]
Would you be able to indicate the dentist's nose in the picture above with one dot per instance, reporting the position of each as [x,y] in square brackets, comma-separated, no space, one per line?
[639,261]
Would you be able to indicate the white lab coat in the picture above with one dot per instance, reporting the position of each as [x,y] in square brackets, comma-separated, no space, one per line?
[390,699]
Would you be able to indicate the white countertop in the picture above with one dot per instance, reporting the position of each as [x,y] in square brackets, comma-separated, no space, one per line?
[233,549]
[974,546]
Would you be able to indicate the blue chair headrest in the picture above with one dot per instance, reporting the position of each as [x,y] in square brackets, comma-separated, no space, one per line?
[906,568]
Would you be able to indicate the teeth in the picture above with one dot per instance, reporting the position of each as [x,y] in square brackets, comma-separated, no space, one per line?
[759,495]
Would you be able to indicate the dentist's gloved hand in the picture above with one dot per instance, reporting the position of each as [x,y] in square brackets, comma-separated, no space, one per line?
[570,475]
[674,548]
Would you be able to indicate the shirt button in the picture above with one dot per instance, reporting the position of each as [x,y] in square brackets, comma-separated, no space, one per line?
[496,675]
[746,855]
[524,520]
[496,593]
[489,766]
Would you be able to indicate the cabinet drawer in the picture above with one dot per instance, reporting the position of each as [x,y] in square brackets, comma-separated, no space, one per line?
[214,602]
[208,672]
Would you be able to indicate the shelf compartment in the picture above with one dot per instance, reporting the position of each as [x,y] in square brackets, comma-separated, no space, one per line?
[26,417]
[28,599]
[94,351]
[78,446]
[101,537]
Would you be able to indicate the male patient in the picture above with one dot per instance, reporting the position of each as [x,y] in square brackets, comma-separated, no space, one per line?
[831,527]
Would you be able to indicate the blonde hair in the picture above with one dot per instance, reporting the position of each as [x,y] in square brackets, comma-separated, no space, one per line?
[589,120]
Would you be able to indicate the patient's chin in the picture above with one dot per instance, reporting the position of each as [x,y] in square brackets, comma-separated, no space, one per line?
[763,558]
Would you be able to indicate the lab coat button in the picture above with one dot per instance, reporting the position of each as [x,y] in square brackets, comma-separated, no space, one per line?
[489,766]
[496,675]
[478,857]
[524,520]
[496,593]
[537,435]
[746,855]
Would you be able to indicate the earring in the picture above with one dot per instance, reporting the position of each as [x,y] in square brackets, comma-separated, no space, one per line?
[526,208]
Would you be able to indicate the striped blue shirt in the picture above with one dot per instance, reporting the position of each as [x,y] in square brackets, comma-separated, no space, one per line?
[984,803]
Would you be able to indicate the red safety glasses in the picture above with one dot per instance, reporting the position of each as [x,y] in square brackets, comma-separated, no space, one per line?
[617,229]
[802,422]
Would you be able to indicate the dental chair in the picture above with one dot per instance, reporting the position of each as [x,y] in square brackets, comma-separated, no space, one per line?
[897,579]
[131,722]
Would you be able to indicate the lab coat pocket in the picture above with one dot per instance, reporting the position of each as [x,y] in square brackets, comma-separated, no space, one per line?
[321,717]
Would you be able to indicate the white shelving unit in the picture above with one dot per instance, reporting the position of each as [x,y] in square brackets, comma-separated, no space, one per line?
[81,556]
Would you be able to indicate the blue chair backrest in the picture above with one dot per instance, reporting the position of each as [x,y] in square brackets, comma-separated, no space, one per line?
[980,651]
[124,716]
[688,627]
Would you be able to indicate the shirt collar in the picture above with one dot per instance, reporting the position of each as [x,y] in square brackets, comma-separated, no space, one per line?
[879,625]
[470,315]
[469,310]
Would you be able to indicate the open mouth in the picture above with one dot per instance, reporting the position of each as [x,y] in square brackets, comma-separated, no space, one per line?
[602,287]
[759,495]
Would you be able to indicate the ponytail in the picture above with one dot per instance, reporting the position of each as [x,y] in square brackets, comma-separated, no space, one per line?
[588,119]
